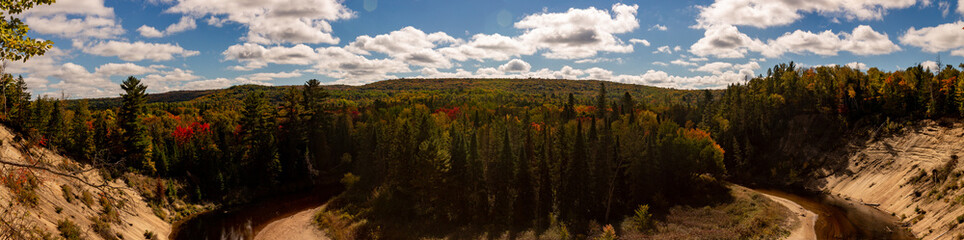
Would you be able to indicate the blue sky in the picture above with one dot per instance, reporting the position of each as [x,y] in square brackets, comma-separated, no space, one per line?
[206,44]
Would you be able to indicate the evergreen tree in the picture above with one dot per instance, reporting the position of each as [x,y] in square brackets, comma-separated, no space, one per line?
[261,154]
[569,110]
[316,125]
[83,142]
[544,199]
[137,143]
[524,206]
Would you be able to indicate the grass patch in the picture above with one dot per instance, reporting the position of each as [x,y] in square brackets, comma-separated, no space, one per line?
[339,225]
[748,216]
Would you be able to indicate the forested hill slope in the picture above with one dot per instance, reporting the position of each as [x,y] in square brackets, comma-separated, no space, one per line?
[582,89]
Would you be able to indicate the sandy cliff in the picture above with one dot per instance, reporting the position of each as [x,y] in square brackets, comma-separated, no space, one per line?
[910,174]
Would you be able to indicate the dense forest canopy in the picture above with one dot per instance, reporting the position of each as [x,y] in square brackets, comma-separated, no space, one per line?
[497,152]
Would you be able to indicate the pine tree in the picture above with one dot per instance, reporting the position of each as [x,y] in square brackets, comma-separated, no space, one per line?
[83,132]
[523,207]
[137,143]
[569,110]
[544,203]
[316,125]
[502,177]
[260,153]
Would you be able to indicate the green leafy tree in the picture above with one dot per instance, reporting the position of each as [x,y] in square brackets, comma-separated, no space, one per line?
[14,43]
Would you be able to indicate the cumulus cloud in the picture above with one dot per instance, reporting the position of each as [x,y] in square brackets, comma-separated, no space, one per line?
[682,62]
[186,23]
[728,42]
[944,37]
[256,56]
[960,6]
[352,69]
[74,19]
[579,33]
[639,41]
[484,46]
[718,68]
[273,21]
[408,44]
[136,51]
[515,65]
[768,13]
[658,28]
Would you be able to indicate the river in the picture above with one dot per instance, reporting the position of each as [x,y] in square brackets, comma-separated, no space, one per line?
[244,221]
[843,219]
[838,218]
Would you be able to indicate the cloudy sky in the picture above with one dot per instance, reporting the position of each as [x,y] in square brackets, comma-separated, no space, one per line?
[206,44]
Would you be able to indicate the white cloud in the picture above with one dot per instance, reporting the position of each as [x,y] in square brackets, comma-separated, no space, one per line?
[658,28]
[148,31]
[768,13]
[74,19]
[599,60]
[579,33]
[945,8]
[639,41]
[137,51]
[725,41]
[682,62]
[664,49]
[352,69]
[408,44]
[274,21]
[658,63]
[859,65]
[75,27]
[944,37]
[960,6]
[186,23]
[482,46]
[930,65]
[256,56]
[515,65]
[718,68]
[729,42]
[122,69]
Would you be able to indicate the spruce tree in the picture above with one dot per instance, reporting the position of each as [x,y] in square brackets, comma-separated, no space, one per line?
[137,143]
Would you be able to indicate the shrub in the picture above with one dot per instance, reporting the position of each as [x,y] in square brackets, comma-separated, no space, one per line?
[23,184]
[68,192]
[608,233]
[149,235]
[69,230]
[337,224]
[87,198]
[102,228]
[643,220]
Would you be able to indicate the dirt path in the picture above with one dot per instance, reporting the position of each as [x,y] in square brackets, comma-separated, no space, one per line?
[297,226]
[804,229]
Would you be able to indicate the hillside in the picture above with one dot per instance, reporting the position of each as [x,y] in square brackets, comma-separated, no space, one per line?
[383,89]
[45,193]
[913,173]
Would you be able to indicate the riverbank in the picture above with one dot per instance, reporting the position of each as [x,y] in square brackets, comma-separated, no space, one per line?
[296,226]
[911,174]
[804,224]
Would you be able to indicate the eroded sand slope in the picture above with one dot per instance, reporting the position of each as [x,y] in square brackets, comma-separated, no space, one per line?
[887,170]
[136,217]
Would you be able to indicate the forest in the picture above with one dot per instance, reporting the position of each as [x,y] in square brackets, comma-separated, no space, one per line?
[512,154]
